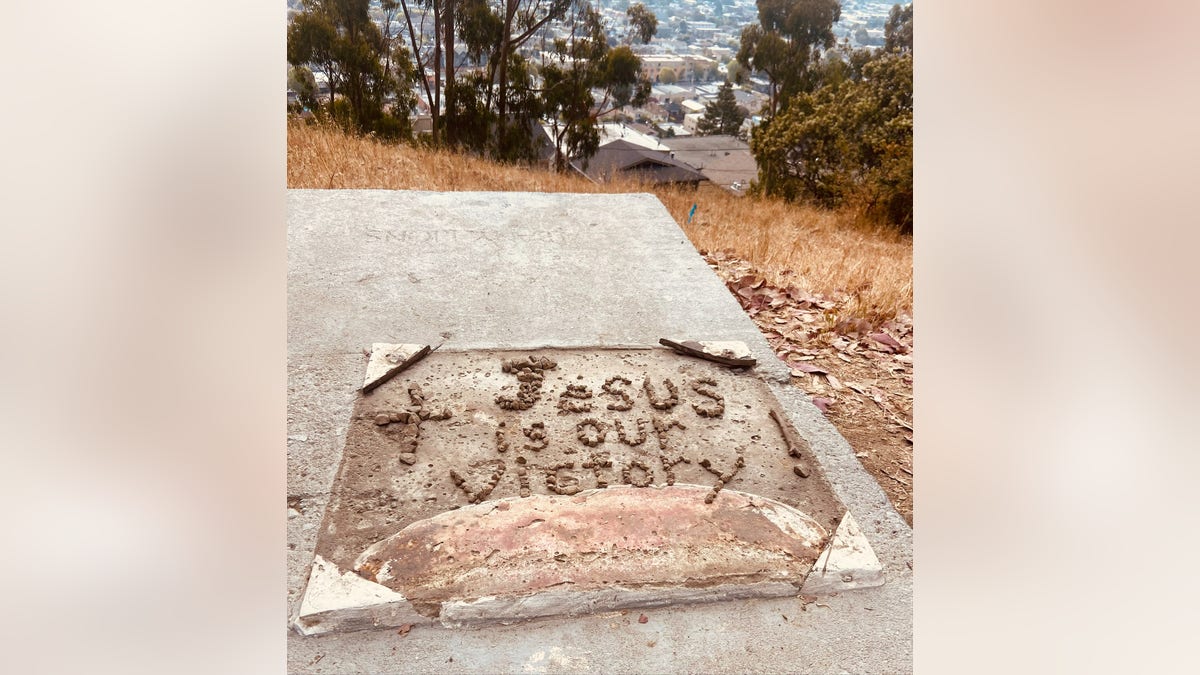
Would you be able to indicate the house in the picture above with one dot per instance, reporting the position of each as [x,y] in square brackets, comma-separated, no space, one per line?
[623,159]
[673,130]
[669,93]
[322,81]
[723,160]
[654,64]
[760,84]
[610,132]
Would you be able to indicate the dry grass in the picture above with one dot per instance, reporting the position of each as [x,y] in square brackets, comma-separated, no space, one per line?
[832,253]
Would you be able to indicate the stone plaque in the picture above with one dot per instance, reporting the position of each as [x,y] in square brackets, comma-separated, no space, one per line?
[585,478]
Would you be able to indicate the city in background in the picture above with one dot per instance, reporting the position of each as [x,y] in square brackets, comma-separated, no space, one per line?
[692,53]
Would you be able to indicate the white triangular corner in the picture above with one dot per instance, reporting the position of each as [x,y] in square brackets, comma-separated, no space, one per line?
[388,359]
[727,348]
[338,601]
[848,562]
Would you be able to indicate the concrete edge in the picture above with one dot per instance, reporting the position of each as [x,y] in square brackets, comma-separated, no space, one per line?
[337,600]
[848,562]
[387,359]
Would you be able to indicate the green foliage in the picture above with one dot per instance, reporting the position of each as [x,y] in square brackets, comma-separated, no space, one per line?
[898,31]
[524,109]
[621,75]
[735,72]
[722,116]
[584,64]
[494,110]
[301,81]
[642,23]
[470,115]
[479,27]
[370,75]
[784,41]
[846,143]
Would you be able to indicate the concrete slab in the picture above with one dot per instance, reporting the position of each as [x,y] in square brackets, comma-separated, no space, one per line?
[602,549]
[727,353]
[847,563]
[522,271]
[388,359]
[464,427]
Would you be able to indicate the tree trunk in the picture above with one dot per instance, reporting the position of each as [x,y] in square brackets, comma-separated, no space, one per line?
[510,10]
[438,120]
[420,63]
[448,35]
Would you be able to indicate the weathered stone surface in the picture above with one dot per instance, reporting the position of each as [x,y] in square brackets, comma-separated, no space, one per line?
[568,601]
[592,418]
[532,270]
[623,536]
[599,550]
[388,359]
[726,352]
[727,348]
[336,600]
[848,562]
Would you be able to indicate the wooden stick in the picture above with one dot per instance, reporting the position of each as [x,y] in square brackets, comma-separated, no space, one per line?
[789,436]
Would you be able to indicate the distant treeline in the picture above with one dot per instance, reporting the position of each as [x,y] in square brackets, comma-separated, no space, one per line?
[837,129]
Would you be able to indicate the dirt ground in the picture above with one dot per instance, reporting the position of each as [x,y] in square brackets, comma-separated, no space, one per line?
[859,375]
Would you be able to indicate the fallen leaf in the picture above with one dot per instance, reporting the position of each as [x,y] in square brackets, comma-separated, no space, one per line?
[643,618]
[805,367]
[833,381]
[885,339]
[404,629]
[844,357]
[822,403]
[857,387]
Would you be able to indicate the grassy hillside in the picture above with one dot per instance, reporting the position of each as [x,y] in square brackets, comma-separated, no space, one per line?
[866,270]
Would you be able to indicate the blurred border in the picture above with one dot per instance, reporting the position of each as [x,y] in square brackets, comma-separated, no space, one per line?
[144,335]
[143,351]
[1055,148]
